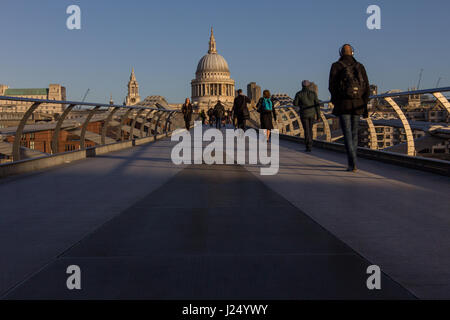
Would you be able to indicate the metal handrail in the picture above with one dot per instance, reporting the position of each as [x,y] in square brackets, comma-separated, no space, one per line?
[441,100]
[392,94]
[69,106]
[79,103]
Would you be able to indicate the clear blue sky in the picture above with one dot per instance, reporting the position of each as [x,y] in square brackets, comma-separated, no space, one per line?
[275,43]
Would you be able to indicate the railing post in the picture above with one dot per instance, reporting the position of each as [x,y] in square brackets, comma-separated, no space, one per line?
[55,138]
[84,128]
[134,123]
[106,124]
[16,145]
[409,136]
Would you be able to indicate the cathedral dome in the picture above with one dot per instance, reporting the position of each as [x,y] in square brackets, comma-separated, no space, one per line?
[212,62]
[212,79]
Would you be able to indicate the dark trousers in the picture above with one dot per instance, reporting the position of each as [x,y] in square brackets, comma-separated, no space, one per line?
[349,126]
[242,124]
[307,123]
[218,123]
[187,122]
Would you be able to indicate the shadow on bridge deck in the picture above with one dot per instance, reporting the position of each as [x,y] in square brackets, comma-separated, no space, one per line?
[140,227]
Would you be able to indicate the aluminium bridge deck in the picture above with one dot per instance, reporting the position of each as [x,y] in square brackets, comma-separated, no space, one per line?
[141,227]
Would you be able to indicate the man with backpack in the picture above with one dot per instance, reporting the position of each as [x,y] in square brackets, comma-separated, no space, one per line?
[309,109]
[240,109]
[349,88]
[219,112]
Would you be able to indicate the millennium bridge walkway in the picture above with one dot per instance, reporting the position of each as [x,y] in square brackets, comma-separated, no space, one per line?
[140,227]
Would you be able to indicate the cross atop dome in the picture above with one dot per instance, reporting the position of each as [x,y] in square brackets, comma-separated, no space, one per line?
[212,43]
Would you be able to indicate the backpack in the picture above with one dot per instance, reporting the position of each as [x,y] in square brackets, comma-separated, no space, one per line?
[267,104]
[351,82]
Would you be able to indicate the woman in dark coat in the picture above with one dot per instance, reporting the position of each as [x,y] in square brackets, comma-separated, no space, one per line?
[266,108]
[186,109]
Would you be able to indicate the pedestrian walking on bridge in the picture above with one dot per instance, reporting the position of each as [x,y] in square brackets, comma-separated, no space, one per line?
[349,88]
[219,112]
[211,116]
[309,110]
[203,116]
[240,109]
[187,109]
[266,109]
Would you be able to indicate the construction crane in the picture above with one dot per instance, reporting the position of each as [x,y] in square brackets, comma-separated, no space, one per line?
[420,79]
[439,81]
[85,95]
[84,98]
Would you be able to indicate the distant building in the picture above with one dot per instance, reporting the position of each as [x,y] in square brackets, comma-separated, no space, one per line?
[283,98]
[253,91]
[155,102]
[53,92]
[133,96]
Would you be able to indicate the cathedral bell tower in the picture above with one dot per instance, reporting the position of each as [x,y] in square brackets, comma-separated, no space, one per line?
[133,90]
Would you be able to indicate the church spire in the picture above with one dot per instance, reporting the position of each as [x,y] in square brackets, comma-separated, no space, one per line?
[133,90]
[212,43]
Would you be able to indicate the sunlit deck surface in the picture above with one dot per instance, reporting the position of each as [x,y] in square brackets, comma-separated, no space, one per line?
[140,227]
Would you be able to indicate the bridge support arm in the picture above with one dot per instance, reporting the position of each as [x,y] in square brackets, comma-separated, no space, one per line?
[326,127]
[144,122]
[133,124]
[16,146]
[300,124]
[168,121]
[84,128]
[158,122]
[411,151]
[122,122]
[155,119]
[373,134]
[442,101]
[55,138]
[106,124]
